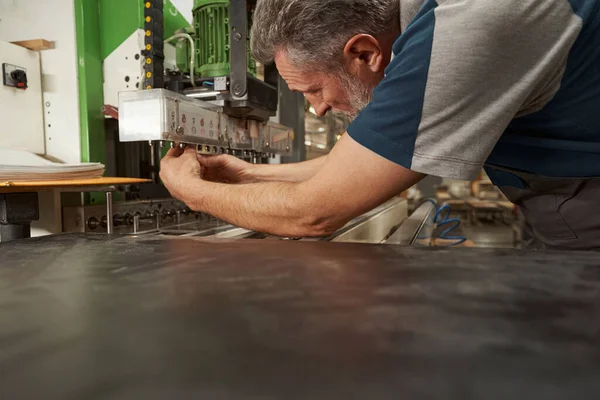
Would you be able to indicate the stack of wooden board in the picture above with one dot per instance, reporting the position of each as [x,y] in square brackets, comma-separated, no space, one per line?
[20,165]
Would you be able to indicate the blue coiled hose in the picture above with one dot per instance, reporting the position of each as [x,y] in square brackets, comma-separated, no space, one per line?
[442,218]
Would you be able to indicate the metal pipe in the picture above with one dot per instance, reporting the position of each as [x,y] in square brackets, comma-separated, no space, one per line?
[192,49]
[152,161]
[110,226]
[202,95]
[136,223]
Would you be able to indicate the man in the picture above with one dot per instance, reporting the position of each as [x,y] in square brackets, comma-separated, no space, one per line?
[440,87]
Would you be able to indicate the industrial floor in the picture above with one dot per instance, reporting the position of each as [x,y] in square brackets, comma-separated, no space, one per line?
[490,235]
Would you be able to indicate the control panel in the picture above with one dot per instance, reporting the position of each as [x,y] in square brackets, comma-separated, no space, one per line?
[14,76]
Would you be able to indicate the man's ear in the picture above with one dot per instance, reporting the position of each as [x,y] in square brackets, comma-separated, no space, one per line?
[364,51]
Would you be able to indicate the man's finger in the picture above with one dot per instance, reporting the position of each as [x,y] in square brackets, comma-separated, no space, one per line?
[211,161]
[190,153]
[191,150]
[174,152]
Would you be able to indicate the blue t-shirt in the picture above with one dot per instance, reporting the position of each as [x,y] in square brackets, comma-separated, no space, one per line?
[511,83]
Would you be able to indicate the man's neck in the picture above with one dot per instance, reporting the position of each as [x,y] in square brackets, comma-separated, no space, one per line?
[387,41]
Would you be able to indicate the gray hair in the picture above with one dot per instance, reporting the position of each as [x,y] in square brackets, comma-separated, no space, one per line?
[315,32]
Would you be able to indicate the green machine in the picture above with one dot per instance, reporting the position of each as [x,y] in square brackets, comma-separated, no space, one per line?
[121,48]
[212,34]
[221,70]
[108,52]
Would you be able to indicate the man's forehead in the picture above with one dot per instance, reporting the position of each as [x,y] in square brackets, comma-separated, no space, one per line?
[282,60]
[286,69]
[296,78]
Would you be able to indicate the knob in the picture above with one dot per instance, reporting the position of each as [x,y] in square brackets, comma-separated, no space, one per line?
[20,78]
[119,220]
[93,223]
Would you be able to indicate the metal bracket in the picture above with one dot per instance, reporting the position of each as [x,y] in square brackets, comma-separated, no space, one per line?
[238,11]
[220,84]
[17,210]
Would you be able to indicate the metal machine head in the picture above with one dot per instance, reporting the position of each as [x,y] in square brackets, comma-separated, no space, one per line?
[162,115]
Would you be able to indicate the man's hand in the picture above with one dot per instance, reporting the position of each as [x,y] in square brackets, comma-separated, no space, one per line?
[225,169]
[178,169]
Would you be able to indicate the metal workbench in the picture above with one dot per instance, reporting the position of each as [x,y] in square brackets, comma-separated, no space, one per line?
[101,317]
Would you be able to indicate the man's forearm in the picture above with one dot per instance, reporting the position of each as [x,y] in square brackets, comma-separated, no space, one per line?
[354,181]
[278,208]
[295,172]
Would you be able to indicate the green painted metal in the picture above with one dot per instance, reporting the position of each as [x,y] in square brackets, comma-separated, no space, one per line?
[212,38]
[119,19]
[89,74]
[211,21]
[202,3]
[174,20]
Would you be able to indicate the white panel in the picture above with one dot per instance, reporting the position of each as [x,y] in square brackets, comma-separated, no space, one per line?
[170,57]
[184,7]
[21,111]
[50,215]
[54,21]
[122,64]
[142,120]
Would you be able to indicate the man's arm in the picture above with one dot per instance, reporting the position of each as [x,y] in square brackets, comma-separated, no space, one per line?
[229,169]
[352,181]
[295,172]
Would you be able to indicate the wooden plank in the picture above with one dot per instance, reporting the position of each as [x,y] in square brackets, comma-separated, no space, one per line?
[483,204]
[29,186]
[448,242]
[455,202]
[35,44]
[506,204]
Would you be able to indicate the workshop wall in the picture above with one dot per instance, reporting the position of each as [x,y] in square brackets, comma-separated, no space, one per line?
[54,21]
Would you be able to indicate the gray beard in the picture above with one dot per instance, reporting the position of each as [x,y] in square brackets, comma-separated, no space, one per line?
[359,95]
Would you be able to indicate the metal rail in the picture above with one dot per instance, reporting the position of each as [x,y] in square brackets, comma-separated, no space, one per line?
[417,229]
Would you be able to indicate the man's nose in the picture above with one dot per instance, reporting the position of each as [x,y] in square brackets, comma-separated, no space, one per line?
[321,108]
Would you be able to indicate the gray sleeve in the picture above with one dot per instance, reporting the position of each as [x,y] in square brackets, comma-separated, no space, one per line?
[490,61]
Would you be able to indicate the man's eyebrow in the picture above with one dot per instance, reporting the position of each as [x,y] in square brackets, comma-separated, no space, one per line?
[309,89]
[312,89]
